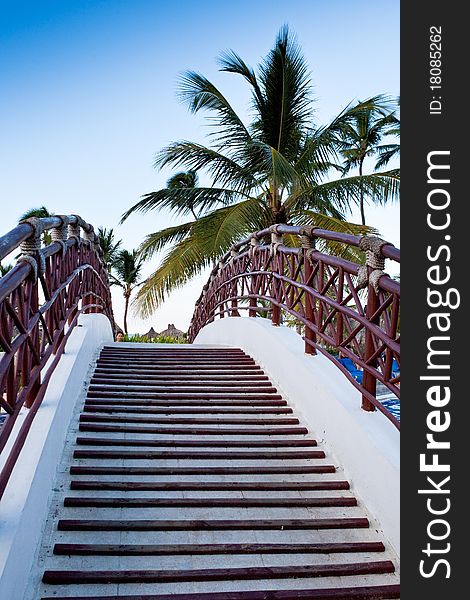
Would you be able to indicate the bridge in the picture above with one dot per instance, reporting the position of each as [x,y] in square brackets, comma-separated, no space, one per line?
[258,461]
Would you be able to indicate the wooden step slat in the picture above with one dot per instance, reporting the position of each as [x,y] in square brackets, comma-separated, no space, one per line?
[186,352]
[283,443]
[93,418]
[184,395]
[185,369]
[166,471]
[376,592]
[207,524]
[175,355]
[247,383]
[180,362]
[279,410]
[209,485]
[322,502]
[101,427]
[104,427]
[181,454]
[237,574]
[177,403]
[172,388]
[194,549]
[210,378]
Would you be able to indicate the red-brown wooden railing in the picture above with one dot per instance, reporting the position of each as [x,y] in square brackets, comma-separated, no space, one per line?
[41,298]
[345,308]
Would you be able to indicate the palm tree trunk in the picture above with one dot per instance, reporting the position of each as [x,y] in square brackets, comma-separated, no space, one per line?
[126,308]
[361,200]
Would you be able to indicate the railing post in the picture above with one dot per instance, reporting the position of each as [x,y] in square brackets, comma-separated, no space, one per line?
[252,312]
[369,382]
[234,291]
[369,274]
[276,240]
[308,244]
[59,235]
[31,252]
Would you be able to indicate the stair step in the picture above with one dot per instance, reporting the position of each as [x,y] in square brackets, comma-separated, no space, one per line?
[376,592]
[92,441]
[208,378]
[101,427]
[280,410]
[183,395]
[247,573]
[189,353]
[188,455]
[172,388]
[213,525]
[180,362]
[207,502]
[186,369]
[177,403]
[93,418]
[189,549]
[209,486]
[239,470]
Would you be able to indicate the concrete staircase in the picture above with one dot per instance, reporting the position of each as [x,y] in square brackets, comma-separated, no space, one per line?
[188,477]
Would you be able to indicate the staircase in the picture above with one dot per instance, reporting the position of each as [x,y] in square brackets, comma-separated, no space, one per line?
[188,477]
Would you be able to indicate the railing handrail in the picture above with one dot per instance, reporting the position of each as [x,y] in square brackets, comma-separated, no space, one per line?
[41,298]
[23,231]
[317,289]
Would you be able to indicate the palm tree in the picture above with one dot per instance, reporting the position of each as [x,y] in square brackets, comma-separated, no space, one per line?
[276,169]
[361,139]
[40,212]
[109,246]
[184,180]
[127,266]
[4,269]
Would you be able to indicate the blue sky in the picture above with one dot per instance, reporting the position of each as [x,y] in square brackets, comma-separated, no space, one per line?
[87,96]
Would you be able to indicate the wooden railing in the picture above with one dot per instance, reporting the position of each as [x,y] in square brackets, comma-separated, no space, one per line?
[41,298]
[345,309]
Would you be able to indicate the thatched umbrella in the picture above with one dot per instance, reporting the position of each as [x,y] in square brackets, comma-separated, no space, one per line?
[151,333]
[172,332]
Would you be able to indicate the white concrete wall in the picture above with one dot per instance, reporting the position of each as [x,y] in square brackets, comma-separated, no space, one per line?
[25,503]
[365,444]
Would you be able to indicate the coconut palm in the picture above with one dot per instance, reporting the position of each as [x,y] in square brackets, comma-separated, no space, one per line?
[127,266]
[4,269]
[277,169]
[40,213]
[109,245]
[362,138]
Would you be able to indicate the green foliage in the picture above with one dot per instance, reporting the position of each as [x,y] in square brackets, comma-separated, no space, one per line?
[109,245]
[4,269]
[159,339]
[41,212]
[126,267]
[361,137]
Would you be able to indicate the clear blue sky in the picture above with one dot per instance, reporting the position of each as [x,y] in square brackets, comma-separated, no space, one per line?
[87,96]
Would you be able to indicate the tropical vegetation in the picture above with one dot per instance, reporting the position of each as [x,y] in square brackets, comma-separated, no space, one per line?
[126,274]
[280,167]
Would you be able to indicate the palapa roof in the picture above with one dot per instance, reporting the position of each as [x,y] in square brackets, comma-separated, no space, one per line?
[171,331]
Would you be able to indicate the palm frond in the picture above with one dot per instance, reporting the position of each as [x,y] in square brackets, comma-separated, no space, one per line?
[199,93]
[379,187]
[207,239]
[231,62]
[285,114]
[224,170]
[307,217]
[157,241]
[183,201]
